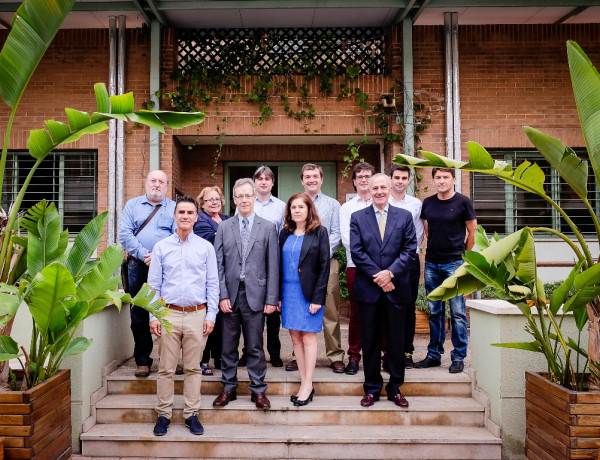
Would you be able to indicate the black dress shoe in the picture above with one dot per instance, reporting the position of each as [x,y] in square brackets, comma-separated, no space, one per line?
[456,367]
[276,361]
[304,402]
[398,399]
[291,366]
[352,368]
[369,399]
[243,362]
[428,362]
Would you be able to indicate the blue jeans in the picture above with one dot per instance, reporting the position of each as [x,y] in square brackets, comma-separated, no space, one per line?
[140,326]
[435,274]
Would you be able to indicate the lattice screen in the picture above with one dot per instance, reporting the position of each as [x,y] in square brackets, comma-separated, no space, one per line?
[282,51]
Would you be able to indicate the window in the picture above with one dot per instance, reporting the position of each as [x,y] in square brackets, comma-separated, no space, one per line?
[504,208]
[69,179]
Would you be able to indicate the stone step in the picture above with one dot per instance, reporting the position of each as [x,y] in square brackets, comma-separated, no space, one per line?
[324,410]
[299,442]
[418,382]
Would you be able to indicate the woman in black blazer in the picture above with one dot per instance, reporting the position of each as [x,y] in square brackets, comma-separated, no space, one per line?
[304,271]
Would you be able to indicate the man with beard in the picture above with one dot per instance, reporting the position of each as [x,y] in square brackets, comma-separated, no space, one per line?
[146,220]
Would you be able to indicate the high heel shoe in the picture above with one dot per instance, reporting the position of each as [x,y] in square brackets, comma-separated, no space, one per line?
[300,402]
[293,398]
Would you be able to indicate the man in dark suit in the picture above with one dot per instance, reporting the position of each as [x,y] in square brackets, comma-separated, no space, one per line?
[248,260]
[382,243]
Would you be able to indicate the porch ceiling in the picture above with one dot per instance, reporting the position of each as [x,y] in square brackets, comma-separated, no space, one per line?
[319,13]
[270,140]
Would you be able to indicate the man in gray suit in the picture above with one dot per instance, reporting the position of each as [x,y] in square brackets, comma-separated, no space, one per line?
[248,260]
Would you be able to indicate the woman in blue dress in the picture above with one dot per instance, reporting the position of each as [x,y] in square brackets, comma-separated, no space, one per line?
[211,201]
[304,271]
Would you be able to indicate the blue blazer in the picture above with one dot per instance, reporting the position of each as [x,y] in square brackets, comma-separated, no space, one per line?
[205,227]
[371,255]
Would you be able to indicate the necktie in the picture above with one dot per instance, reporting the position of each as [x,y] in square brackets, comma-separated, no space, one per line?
[382,222]
[245,237]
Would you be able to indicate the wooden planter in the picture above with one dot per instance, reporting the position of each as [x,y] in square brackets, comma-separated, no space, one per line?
[561,424]
[36,424]
[422,322]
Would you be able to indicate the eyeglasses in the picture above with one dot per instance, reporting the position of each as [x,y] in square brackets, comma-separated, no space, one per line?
[213,200]
[363,177]
[241,197]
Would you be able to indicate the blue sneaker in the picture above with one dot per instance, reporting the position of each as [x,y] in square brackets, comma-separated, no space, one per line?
[162,425]
[194,425]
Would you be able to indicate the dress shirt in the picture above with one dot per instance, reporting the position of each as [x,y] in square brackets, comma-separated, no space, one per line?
[136,211]
[378,214]
[271,210]
[329,213]
[250,222]
[185,273]
[412,205]
[354,204]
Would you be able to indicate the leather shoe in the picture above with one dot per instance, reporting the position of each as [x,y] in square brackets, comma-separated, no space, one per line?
[428,362]
[338,367]
[352,368]
[142,371]
[399,400]
[194,425]
[456,367]
[223,399]
[291,366]
[276,361]
[369,399]
[408,361]
[261,400]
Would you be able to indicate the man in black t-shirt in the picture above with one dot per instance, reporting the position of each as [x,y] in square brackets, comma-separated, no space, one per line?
[450,224]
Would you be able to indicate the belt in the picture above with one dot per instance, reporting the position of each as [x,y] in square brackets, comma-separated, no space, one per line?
[192,308]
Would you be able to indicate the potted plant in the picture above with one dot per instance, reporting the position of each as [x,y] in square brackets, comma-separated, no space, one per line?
[59,284]
[509,266]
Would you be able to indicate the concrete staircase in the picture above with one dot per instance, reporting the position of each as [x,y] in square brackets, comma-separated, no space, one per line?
[443,421]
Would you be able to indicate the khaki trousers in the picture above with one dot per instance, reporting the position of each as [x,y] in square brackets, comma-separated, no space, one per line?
[187,336]
[331,318]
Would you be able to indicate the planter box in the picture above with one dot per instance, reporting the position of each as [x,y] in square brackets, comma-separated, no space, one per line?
[561,424]
[422,322]
[36,424]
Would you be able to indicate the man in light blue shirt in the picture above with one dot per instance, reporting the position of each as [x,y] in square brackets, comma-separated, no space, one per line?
[184,273]
[139,242]
[329,213]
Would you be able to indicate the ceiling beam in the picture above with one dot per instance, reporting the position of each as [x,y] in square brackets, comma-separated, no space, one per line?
[142,11]
[403,13]
[417,13]
[5,24]
[574,12]
[157,13]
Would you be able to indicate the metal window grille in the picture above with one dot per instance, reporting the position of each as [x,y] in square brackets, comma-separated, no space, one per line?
[69,179]
[281,51]
[504,208]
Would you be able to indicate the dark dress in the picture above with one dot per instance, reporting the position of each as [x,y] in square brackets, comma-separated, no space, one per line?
[295,312]
[205,227]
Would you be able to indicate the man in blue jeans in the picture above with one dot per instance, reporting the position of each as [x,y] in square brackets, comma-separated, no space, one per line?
[139,240]
[450,224]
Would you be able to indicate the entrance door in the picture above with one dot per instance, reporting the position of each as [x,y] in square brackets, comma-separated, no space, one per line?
[287,179]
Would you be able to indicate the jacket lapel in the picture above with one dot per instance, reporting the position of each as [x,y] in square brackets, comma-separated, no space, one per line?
[236,234]
[390,224]
[253,233]
[372,222]
[306,244]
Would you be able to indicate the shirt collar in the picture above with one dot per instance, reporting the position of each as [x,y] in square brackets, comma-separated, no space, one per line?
[385,209]
[360,200]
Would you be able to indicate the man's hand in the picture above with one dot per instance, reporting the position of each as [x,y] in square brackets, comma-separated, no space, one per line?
[155,327]
[279,307]
[382,278]
[208,327]
[147,258]
[225,306]
[388,287]
[269,309]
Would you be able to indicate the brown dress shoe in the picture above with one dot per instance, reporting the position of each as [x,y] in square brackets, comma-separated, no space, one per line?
[142,371]
[399,400]
[291,366]
[338,367]
[223,399]
[369,399]
[261,400]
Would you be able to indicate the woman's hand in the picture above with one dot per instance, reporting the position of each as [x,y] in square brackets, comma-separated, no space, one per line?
[314,307]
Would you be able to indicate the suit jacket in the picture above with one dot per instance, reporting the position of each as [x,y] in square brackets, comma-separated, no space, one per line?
[371,255]
[262,262]
[313,266]
[205,227]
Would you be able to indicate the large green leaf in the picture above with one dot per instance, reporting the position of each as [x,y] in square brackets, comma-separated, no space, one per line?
[85,244]
[46,296]
[77,346]
[586,89]
[9,303]
[9,349]
[34,25]
[100,279]
[570,167]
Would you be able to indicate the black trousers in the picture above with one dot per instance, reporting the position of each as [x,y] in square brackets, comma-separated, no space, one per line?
[140,318]
[374,317]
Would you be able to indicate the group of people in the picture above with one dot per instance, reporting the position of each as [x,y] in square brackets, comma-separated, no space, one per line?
[273,262]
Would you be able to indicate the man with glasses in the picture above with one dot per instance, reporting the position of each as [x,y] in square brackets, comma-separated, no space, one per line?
[361,173]
[248,260]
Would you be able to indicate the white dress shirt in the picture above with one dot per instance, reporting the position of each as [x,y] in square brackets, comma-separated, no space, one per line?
[412,205]
[352,205]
